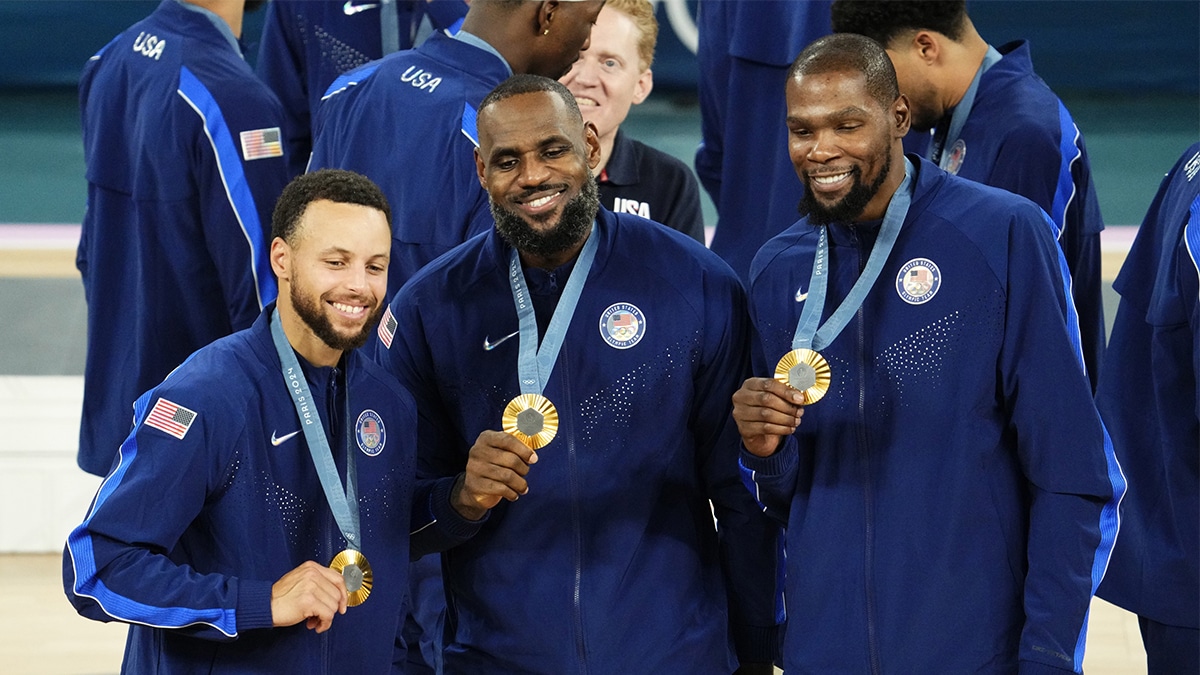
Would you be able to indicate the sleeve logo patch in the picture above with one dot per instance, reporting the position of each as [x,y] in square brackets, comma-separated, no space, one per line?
[261,144]
[172,418]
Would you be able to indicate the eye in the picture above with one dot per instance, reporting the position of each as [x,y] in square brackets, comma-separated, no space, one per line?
[557,151]
[335,263]
[610,63]
[506,164]
[376,269]
[849,126]
[800,132]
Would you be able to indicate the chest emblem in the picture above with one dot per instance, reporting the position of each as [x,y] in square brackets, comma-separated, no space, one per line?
[958,152]
[918,281]
[370,433]
[622,325]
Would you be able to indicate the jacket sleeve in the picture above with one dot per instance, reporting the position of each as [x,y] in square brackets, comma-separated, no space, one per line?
[685,214]
[1053,171]
[283,67]
[441,450]
[237,195]
[1074,481]
[118,564]
[749,541]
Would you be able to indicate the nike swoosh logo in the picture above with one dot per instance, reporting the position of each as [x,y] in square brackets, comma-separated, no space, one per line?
[801,295]
[489,346]
[280,439]
[350,9]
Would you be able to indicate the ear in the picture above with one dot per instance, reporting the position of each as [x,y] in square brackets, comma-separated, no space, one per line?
[545,16]
[592,141]
[281,259]
[479,167]
[901,117]
[927,46]
[643,87]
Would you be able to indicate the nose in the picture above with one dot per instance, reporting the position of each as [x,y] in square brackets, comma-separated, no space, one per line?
[583,72]
[356,280]
[822,147]
[534,172]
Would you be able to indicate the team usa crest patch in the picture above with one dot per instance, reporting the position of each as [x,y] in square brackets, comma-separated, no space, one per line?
[958,152]
[622,325]
[918,281]
[369,432]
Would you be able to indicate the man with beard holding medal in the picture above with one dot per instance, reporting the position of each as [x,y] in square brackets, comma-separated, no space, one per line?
[261,459]
[579,362]
[950,496]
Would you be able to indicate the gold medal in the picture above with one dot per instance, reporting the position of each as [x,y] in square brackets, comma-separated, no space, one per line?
[806,371]
[532,418]
[356,572]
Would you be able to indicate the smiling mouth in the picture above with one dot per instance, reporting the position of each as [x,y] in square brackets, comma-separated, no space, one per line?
[352,310]
[585,102]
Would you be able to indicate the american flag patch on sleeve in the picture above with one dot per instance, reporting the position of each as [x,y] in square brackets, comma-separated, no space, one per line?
[387,328]
[261,144]
[171,418]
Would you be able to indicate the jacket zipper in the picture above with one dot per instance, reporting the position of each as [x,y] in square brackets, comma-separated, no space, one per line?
[572,468]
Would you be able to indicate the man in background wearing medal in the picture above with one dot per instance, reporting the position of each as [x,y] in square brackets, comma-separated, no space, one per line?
[257,518]
[950,495]
[581,362]
[993,120]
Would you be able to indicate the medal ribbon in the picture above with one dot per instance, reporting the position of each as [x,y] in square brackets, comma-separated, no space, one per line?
[958,119]
[318,445]
[534,364]
[808,335]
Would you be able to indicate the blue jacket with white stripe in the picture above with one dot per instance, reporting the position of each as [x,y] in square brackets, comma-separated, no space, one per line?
[1149,397]
[610,563]
[184,163]
[190,530]
[1020,137]
[951,503]
[407,122]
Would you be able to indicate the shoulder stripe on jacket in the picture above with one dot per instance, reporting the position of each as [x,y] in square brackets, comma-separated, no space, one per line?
[88,584]
[233,176]
[1191,234]
[1069,152]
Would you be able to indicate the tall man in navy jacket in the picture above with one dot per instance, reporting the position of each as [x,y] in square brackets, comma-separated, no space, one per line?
[1149,396]
[625,337]
[996,122]
[184,160]
[951,496]
[212,534]
[407,121]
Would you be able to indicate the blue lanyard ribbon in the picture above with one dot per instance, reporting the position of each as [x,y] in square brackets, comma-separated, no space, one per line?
[808,335]
[389,26]
[958,118]
[534,364]
[318,446]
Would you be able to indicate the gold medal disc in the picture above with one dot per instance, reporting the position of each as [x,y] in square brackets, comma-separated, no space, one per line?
[356,572]
[806,371]
[532,418]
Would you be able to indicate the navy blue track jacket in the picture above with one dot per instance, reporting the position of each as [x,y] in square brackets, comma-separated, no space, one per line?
[1149,397]
[611,562]
[184,163]
[951,503]
[214,496]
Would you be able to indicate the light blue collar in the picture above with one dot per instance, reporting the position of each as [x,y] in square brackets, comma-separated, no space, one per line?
[217,21]
[476,41]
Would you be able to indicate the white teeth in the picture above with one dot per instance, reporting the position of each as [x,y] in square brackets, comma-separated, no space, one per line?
[541,200]
[349,309]
[585,102]
[829,180]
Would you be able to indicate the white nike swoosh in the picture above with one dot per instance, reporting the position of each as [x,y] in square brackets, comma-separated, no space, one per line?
[801,297]
[489,346]
[350,9]
[277,440]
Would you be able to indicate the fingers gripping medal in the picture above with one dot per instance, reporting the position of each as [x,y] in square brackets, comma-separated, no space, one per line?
[350,563]
[804,369]
[531,417]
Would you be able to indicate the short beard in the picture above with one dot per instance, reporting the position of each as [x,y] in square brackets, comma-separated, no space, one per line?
[851,206]
[578,214]
[308,309]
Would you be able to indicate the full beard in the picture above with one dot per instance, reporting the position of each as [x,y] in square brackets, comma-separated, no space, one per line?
[851,206]
[309,309]
[574,224]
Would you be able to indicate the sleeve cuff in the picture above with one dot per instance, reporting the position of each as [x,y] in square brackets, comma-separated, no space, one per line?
[450,521]
[756,644]
[784,459]
[1039,668]
[253,605]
